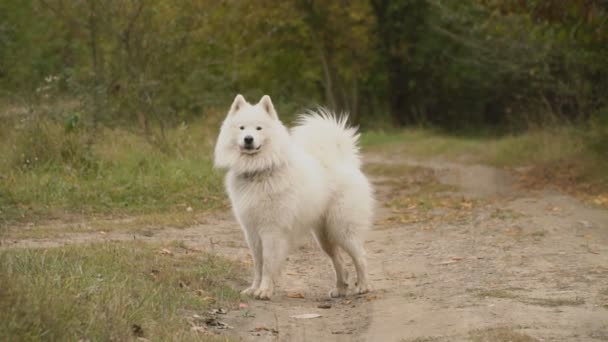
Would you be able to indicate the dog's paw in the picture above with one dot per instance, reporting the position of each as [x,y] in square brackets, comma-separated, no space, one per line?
[262,293]
[363,288]
[338,292]
[249,291]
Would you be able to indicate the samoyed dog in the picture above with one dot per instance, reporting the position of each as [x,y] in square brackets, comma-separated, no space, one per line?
[283,184]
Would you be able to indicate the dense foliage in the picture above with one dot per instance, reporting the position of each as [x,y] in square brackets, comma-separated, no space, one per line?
[449,63]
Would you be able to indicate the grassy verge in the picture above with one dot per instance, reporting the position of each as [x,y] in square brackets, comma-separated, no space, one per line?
[420,143]
[564,156]
[48,170]
[110,292]
[54,169]
[528,148]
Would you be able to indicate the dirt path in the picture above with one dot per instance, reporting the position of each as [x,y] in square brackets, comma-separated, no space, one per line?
[458,253]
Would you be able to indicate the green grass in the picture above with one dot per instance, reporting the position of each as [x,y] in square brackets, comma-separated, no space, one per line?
[554,147]
[420,142]
[47,171]
[513,150]
[100,292]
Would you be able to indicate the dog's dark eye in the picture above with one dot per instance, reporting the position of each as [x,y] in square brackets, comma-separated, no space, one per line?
[242,128]
[259,128]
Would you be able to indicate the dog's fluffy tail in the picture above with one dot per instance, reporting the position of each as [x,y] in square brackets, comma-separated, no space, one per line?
[328,138]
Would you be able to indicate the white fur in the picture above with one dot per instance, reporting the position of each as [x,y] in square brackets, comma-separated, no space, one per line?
[308,180]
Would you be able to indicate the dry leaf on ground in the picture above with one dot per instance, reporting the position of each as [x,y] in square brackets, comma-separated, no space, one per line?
[299,295]
[165,251]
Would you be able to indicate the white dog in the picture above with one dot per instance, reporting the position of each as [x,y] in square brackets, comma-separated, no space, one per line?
[283,184]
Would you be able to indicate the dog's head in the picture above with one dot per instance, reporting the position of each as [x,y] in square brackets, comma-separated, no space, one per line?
[252,137]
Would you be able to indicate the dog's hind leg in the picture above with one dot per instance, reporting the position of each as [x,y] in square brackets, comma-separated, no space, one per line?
[331,249]
[274,252]
[347,229]
[353,245]
[255,246]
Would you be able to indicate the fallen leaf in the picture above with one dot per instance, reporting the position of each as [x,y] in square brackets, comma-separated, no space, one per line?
[466,205]
[601,199]
[370,298]
[306,316]
[299,295]
[324,306]
[165,251]
[385,221]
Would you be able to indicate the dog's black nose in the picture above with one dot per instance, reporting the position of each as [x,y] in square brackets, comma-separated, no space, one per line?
[248,140]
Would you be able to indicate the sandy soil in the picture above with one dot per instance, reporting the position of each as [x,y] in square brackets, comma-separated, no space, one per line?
[479,259]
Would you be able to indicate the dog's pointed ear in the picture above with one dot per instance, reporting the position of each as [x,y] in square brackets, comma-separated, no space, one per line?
[268,107]
[238,103]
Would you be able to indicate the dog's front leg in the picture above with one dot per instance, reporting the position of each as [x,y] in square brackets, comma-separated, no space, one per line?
[255,247]
[274,252]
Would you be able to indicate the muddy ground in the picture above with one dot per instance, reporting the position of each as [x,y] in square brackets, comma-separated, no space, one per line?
[459,252]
